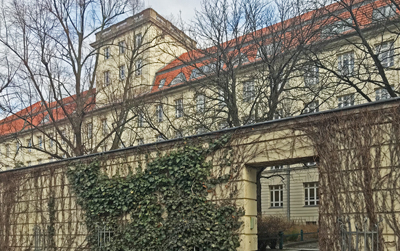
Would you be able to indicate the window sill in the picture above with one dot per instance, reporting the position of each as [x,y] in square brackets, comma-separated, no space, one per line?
[311,206]
[275,207]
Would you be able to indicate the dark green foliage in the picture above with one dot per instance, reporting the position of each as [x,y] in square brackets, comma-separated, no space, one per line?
[166,204]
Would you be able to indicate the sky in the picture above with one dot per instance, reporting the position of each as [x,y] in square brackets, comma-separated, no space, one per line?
[169,8]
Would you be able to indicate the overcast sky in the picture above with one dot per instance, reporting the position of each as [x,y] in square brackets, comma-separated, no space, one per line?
[168,8]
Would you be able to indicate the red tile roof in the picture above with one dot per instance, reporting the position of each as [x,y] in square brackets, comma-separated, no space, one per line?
[197,58]
[37,114]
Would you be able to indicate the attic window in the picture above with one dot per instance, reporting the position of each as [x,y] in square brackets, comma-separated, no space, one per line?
[337,28]
[46,119]
[178,79]
[383,13]
[162,82]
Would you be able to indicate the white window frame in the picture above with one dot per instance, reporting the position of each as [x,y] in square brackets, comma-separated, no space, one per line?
[276,195]
[381,94]
[104,126]
[311,75]
[311,107]
[89,131]
[121,47]
[107,53]
[121,72]
[159,113]
[179,108]
[40,142]
[140,119]
[385,52]
[200,103]
[346,100]
[138,67]
[346,63]
[29,145]
[160,138]
[138,40]
[249,91]
[309,188]
[178,79]
[106,78]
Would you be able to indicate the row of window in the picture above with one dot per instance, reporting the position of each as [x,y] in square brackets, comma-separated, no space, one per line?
[122,72]
[122,46]
[311,195]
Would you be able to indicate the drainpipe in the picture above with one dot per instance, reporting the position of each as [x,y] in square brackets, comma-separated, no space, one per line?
[288,193]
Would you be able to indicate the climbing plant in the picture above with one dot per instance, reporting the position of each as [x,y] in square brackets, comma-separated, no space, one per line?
[165,205]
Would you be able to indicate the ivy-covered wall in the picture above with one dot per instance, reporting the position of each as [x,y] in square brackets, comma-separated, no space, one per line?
[177,195]
[163,207]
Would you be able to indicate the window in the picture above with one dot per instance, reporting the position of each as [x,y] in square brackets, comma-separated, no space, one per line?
[139,65]
[51,141]
[311,75]
[29,144]
[201,130]
[122,72]
[63,134]
[346,64]
[89,131]
[385,52]
[104,148]
[196,73]
[312,107]
[268,50]
[138,39]
[29,163]
[140,119]
[104,126]
[121,46]
[381,94]
[17,147]
[178,134]
[223,125]
[311,197]
[160,138]
[336,28]
[222,100]
[159,113]
[162,83]
[384,12]
[40,142]
[248,91]
[107,53]
[106,78]
[200,103]
[178,79]
[178,108]
[39,161]
[347,100]
[277,167]
[276,195]
[140,141]
[278,114]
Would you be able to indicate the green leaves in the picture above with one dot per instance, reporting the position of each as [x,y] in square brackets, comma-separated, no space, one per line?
[166,203]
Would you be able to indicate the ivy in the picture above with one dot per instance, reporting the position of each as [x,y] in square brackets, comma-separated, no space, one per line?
[166,204]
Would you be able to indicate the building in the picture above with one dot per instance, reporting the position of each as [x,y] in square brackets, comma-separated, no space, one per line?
[152,85]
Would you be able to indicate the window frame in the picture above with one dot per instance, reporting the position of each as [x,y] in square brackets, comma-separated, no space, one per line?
[274,190]
[346,100]
[386,61]
[179,108]
[308,188]
[121,72]
[122,47]
[249,91]
[159,113]
[346,63]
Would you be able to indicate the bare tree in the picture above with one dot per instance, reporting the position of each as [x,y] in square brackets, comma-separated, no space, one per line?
[50,41]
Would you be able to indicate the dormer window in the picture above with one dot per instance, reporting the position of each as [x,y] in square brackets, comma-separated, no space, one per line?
[178,79]
[195,74]
[383,13]
[337,28]
[162,83]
